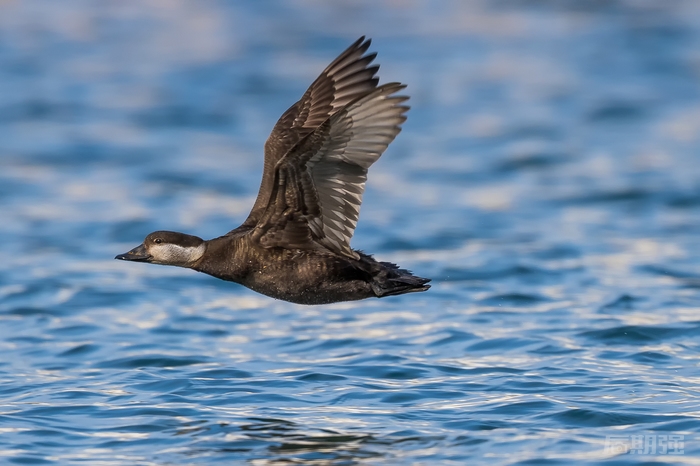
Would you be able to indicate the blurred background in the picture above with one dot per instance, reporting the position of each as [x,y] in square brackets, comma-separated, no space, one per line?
[547,179]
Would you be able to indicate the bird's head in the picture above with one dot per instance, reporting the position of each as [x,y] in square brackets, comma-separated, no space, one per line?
[167,248]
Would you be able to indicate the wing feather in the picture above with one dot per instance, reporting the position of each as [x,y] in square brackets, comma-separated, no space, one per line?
[347,78]
[324,175]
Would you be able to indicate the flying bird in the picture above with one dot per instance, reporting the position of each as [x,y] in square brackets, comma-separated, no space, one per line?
[295,243]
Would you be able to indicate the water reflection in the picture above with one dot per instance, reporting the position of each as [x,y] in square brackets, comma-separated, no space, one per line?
[279,441]
[547,178]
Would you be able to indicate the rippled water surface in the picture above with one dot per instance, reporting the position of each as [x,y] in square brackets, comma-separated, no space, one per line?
[548,180]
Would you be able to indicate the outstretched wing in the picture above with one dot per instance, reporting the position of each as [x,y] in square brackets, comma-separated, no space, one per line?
[348,77]
[318,185]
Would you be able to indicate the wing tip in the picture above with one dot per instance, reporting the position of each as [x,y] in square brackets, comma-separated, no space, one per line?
[361,45]
[393,86]
[364,43]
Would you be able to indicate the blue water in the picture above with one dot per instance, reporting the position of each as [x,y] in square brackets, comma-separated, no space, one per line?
[548,180]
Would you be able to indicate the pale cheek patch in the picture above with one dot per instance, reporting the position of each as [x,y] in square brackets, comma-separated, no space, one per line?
[172,254]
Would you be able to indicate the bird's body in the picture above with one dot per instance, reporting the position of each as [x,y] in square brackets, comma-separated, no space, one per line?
[295,244]
[302,276]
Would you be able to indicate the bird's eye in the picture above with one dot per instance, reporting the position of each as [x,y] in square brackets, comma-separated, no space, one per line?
[157,240]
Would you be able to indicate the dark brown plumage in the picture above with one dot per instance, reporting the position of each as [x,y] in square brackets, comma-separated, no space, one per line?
[295,244]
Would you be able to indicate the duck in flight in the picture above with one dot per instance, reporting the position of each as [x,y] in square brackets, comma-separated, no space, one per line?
[295,243]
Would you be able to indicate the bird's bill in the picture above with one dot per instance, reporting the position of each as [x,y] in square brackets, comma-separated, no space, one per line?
[138,254]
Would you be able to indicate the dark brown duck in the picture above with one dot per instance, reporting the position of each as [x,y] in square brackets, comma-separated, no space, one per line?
[295,244]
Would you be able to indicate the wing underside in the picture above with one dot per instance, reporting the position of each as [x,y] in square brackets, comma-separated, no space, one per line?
[347,78]
[318,185]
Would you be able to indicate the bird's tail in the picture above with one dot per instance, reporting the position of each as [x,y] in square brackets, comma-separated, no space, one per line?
[397,281]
